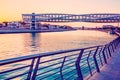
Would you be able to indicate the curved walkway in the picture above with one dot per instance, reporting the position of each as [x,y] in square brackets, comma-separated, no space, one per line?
[111,70]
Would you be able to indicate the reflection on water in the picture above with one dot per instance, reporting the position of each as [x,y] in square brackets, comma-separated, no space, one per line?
[14,45]
[31,42]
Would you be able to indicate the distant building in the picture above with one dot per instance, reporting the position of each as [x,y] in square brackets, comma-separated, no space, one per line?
[5,24]
[1,25]
[14,24]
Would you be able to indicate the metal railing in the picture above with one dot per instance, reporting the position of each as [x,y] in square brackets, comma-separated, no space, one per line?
[73,64]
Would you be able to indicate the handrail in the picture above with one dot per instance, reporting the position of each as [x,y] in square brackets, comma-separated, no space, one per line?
[3,62]
[76,63]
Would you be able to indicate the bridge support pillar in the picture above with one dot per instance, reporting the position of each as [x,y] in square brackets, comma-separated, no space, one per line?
[33,25]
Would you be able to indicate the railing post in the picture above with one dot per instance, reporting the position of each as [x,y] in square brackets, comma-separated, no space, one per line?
[77,64]
[115,43]
[100,57]
[104,55]
[36,68]
[106,51]
[61,68]
[89,63]
[109,50]
[112,46]
[95,60]
[31,68]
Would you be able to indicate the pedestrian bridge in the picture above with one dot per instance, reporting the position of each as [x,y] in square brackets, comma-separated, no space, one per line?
[74,64]
[95,18]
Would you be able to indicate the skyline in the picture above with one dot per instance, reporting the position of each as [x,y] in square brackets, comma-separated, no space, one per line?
[12,10]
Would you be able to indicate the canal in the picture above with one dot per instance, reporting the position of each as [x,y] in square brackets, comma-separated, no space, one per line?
[14,45]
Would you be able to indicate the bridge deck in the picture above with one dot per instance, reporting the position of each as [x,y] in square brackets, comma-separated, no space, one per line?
[110,71]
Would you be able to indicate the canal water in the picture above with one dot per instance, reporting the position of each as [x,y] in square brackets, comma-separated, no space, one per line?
[14,45]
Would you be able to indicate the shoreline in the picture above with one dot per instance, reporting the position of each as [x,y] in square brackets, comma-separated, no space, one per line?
[12,31]
[30,31]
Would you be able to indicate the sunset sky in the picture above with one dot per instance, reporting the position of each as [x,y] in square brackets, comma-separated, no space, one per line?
[11,10]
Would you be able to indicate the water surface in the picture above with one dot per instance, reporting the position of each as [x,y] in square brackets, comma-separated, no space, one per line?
[14,45]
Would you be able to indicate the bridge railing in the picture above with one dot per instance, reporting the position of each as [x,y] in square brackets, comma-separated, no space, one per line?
[73,64]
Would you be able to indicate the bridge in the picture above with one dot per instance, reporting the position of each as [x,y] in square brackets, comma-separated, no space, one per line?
[93,18]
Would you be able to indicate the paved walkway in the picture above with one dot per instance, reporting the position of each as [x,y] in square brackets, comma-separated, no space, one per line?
[111,70]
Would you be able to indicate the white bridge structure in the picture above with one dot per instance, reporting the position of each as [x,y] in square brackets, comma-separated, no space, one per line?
[94,18]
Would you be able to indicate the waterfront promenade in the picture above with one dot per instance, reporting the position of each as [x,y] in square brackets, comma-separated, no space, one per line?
[111,70]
